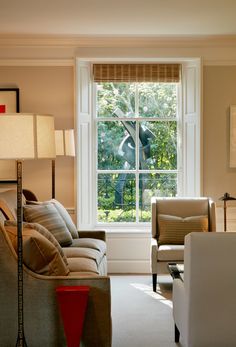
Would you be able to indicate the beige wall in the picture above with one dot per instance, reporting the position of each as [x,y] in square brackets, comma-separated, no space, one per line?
[219,83]
[50,89]
[46,89]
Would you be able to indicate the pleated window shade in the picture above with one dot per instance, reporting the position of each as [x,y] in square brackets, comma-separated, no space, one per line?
[165,73]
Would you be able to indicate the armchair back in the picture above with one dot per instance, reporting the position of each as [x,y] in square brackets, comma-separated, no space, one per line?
[182,207]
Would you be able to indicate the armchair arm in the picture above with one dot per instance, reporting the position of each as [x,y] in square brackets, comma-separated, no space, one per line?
[94,234]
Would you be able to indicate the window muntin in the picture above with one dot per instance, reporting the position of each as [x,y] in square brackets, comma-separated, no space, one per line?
[137,134]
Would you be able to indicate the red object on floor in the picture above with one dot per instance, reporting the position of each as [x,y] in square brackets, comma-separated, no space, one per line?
[72,302]
[2,108]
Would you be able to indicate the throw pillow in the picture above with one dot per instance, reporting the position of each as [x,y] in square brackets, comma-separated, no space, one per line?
[66,217]
[48,216]
[43,231]
[39,254]
[173,229]
[63,213]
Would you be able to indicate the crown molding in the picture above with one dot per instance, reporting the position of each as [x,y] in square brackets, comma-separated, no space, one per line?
[71,62]
[226,62]
[37,62]
[117,41]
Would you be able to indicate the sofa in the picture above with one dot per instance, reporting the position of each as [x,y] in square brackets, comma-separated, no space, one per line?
[72,259]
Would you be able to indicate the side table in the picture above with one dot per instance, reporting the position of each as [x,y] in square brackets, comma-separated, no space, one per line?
[176,270]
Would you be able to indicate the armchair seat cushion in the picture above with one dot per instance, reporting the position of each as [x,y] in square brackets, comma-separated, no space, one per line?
[170,253]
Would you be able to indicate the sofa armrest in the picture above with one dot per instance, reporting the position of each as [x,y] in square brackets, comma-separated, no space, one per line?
[97,329]
[93,234]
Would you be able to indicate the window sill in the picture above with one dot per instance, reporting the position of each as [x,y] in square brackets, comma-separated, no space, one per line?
[125,229]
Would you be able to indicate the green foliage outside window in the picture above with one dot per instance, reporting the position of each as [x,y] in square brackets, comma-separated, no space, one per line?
[149,110]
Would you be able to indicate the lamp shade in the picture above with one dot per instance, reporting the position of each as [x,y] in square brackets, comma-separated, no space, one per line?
[27,136]
[65,142]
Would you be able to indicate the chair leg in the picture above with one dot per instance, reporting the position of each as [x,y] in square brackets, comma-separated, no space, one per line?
[177,334]
[154,282]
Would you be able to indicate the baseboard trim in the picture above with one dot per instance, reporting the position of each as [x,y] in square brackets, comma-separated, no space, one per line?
[127,266]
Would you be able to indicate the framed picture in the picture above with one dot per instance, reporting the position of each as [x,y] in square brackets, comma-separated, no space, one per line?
[9,103]
[9,100]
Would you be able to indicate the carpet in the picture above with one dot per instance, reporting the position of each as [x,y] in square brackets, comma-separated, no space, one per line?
[140,317]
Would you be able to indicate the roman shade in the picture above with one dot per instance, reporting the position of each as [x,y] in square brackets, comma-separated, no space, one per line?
[136,73]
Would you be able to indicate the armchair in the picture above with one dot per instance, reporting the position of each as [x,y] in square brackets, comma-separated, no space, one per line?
[172,219]
[204,305]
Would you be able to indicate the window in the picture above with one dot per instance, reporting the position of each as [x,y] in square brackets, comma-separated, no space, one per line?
[137,137]
[137,155]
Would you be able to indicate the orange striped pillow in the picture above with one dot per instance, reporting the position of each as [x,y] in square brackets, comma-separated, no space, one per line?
[173,229]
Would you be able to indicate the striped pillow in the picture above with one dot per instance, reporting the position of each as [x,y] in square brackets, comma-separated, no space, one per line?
[63,213]
[173,229]
[48,216]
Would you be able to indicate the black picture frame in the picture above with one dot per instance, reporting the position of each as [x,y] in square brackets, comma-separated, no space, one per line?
[9,100]
[9,103]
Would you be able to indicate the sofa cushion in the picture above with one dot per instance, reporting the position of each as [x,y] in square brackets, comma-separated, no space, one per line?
[63,213]
[173,229]
[43,231]
[170,253]
[82,252]
[82,265]
[98,245]
[39,254]
[48,216]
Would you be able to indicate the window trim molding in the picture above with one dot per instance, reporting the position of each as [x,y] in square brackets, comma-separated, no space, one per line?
[191,123]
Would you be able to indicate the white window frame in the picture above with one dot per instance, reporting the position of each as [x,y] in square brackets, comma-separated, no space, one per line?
[189,149]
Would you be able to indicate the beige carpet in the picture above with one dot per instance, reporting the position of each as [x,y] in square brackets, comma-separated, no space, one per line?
[140,317]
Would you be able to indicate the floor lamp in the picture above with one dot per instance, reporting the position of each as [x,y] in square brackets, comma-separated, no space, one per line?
[226,197]
[65,146]
[24,136]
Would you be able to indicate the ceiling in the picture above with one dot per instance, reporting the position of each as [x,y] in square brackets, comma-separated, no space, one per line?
[118,17]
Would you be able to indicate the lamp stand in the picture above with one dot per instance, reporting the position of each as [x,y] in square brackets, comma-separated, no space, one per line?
[225,217]
[21,337]
[53,178]
[226,197]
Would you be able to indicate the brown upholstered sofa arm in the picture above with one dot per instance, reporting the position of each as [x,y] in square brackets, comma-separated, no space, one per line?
[93,234]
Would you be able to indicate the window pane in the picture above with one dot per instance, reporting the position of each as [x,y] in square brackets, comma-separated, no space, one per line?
[157,100]
[154,185]
[116,145]
[116,198]
[115,99]
[158,145]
